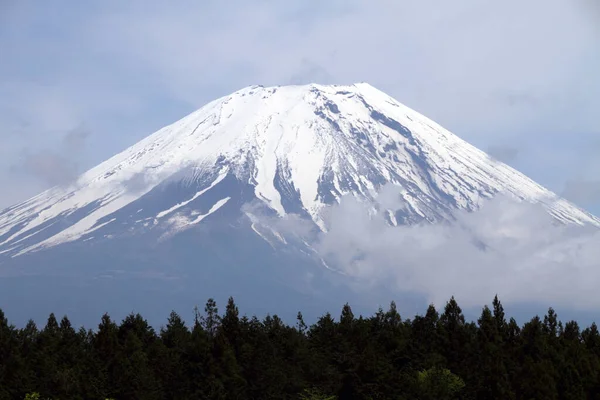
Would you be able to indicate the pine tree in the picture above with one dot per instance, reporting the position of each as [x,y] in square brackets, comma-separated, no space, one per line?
[453,334]
[323,338]
[378,357]
[11,363]
[105,351]
[172,357]
[392,316]
[570,383]
[211,319]
[493,380]
[46,358]
[134,376]
[202,382]
[69,349]
[300,324]
[458,342]
[27,339]
[537,376]
[426,341]
[345,357]
[500,318]
[227,349]
[139,327]
[230,325]
[591,342]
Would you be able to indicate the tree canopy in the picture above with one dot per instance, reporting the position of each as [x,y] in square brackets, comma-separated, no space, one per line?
[437,355]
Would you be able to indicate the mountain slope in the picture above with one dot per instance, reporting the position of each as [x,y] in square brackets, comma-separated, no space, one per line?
[295,148]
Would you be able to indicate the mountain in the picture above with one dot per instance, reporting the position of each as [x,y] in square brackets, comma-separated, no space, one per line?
[181,205]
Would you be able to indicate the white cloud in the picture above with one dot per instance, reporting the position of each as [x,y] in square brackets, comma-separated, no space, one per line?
[514,249]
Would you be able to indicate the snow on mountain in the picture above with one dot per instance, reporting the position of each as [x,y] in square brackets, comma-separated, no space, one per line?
[298,147]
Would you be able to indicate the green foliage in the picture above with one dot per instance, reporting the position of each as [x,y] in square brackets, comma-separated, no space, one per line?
[439,384]
[315,394]
[36,396]
[438,355]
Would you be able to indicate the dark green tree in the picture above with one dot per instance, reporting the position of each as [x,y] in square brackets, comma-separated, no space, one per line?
[12,378]
[439,384]
[493,379]
[172,366]
[536,377]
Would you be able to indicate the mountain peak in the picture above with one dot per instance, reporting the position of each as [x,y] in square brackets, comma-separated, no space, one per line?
[298,148]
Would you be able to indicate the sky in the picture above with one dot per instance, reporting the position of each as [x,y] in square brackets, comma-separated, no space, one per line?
[81,81]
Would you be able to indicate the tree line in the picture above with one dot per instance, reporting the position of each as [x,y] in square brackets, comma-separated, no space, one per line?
[228,356]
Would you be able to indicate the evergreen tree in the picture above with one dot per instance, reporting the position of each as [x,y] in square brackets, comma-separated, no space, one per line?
[203,383]
[232,357]
[323,339]
[105,349]
[455,340]
[11,365]
[426,342]
[134,378]
[570,383]
[69,349]
[27,339]
[211,319]
[172,356]
[230,326]
[46,359]
[493,380]
[300,324]
[537,374]
[591,342]
[226,367]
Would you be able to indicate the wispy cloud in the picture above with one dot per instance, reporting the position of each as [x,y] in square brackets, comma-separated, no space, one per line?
[136,184]
[54,167]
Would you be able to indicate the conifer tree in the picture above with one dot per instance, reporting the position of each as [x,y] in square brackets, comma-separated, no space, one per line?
[11,365]
[134,378]
[537,375]
[300,324]
[425,346]
[172,357]
[378,357]
[493,381]
[105,350]
[211,318]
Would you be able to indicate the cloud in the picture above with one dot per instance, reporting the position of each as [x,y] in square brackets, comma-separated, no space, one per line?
[54,167]
[511,248]
[138,183]
[51,168]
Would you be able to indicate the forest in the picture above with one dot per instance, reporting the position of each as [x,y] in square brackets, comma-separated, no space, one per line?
[438,355]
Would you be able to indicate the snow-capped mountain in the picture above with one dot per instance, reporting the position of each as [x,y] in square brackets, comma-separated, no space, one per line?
[174,206]
[298,147]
